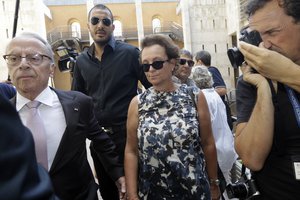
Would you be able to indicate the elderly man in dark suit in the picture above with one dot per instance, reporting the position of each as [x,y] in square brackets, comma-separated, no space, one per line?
[20,178]
[60,121]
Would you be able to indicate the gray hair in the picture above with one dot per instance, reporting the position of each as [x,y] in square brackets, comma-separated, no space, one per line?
[202,77]
[185,53]
[34,35]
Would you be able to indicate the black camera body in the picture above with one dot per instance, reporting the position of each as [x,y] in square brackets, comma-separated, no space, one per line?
[68,59]
[243,189]
[235,56]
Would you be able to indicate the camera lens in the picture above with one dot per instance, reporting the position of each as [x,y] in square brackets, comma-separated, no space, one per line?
[238,190]
[235,56]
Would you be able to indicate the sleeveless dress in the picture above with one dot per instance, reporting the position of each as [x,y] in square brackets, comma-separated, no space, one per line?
[171,160]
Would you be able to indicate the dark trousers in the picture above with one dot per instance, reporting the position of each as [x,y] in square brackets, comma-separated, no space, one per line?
[108,188]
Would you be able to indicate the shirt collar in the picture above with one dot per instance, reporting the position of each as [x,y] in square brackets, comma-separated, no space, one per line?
[110,44]
[45,97]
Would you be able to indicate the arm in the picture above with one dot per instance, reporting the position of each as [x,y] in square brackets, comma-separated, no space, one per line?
[104,147]
[78,82]
[219,84]
[222,91]
[272,65]
[253,140]
[131,151]
[208,143]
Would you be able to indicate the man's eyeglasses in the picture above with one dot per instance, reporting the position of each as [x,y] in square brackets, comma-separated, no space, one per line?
[183,61]
[33,59]
[156,65]
[105,21]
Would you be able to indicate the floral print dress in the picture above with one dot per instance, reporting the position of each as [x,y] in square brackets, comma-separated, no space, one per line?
[171,160]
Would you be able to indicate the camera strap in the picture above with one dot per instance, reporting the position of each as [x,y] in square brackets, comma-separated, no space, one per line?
[294,101]
[278,138]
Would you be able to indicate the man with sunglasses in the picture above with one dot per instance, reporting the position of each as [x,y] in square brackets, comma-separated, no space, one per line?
[109,72]
[184,68]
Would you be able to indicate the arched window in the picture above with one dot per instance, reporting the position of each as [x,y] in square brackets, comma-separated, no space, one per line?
[118,32]
[76,32]
[156,25]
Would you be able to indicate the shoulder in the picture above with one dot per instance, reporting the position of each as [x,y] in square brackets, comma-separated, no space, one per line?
[6,86]
[125,45]
[189,89]
[211,95]
[148,93]
[213,69]
[83,54]
[71,94]
[84,60]
[122,46]
[7,90]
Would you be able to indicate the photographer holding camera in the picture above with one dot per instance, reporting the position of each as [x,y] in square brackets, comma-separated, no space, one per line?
[268,130]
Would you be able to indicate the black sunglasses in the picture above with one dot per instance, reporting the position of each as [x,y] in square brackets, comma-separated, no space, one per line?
[155,65]
[183,61]
[105,21]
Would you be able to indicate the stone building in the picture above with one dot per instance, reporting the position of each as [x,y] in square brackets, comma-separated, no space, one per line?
[212,25]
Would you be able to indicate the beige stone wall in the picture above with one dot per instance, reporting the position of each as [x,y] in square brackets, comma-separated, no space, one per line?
[205,25]
[64,15]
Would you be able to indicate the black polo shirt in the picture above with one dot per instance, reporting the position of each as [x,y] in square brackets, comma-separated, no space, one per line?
[111,82]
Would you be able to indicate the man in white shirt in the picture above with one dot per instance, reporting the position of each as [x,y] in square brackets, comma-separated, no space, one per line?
[66,120]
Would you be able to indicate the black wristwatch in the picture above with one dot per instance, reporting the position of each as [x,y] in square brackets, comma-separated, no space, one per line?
[214,181]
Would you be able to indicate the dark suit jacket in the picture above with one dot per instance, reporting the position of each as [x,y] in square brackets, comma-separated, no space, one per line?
[20,178]
[70,172]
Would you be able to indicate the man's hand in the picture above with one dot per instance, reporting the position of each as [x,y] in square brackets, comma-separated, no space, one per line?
[120,183]
[250,77]
[268,63]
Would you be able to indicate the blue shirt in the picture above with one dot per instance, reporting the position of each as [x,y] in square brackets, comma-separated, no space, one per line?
[217,78]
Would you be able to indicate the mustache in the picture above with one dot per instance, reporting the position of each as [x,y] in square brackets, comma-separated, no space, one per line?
[101,29]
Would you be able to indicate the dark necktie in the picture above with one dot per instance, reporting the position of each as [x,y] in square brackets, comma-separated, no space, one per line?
[36,126]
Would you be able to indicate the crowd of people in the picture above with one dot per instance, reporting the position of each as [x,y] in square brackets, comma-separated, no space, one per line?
[169,141]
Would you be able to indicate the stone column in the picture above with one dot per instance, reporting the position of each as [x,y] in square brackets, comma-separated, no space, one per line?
[139,20]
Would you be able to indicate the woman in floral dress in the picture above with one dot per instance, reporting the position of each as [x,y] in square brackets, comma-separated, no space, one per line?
[169,155]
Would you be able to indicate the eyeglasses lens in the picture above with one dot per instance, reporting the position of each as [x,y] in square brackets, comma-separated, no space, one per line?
[183,61]
[34,59]
[156,65]
[191,63]
[105,21]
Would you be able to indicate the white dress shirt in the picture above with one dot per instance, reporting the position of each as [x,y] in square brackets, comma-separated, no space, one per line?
[52,115]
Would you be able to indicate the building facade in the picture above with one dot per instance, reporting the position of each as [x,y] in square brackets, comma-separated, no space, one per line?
[30,17]
[69,20]
[212,25]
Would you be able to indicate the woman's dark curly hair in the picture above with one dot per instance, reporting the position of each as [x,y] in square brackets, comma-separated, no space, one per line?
[166,42]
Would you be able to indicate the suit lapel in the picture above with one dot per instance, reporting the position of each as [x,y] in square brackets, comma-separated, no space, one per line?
[71,111]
